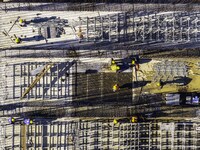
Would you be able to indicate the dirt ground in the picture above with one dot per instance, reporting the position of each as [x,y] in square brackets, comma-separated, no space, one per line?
[147,73]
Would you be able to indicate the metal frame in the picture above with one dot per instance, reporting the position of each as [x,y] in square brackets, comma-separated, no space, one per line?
[49,85]
[105,135]
[148,27]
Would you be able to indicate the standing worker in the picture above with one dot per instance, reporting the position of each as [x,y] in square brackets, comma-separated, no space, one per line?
[21,22]
[11,120]
[113,61]
[115,122]
[133,62]
[80,35]
[159,84]
[115,67]
[17,39]
[115,87]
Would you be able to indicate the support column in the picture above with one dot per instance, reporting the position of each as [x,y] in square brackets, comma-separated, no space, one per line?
[57,80]
[13,131]
[13,81]
[28,79]
[87,28]
[102,29]
[109,29]
[118,27]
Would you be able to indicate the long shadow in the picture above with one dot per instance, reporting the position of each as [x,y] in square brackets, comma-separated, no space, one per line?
[135,84]
[107,46]
[145,106]
[182,81]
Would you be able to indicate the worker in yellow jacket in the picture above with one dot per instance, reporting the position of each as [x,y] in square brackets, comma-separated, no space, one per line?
[17,40]
[115,87]
[21,22]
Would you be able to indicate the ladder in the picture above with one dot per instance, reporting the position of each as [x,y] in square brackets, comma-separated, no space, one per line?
[38,77]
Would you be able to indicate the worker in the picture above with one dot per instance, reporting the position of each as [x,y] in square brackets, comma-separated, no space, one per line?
[21,22]
[133,62]
[115,87]
[17,40]
[11,120]
[115,67]
[113,61]
[31,121]
[80,35]
[28,121]
[159,83]
[134,119]
[115,121]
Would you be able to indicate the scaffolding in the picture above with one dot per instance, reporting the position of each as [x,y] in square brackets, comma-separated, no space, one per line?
[142,27]
[103,135]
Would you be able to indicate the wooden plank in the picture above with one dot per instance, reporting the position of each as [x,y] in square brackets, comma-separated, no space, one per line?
[39,76]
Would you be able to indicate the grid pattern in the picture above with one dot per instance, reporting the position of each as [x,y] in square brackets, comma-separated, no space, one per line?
[103,135]
[54,84]
[170,69]
[143,27]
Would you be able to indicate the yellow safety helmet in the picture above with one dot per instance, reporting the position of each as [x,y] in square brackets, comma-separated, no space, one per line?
[113,62]
[17,40]
[31,121]
[115,121]
[13,119]
[114,67]
[133,62]
[21,20]
[115,87]
[133,119]
[158,84]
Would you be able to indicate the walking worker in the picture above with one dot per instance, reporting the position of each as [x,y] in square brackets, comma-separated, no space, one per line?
[115,87]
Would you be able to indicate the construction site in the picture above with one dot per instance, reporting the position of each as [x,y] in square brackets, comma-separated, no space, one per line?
[100,76]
